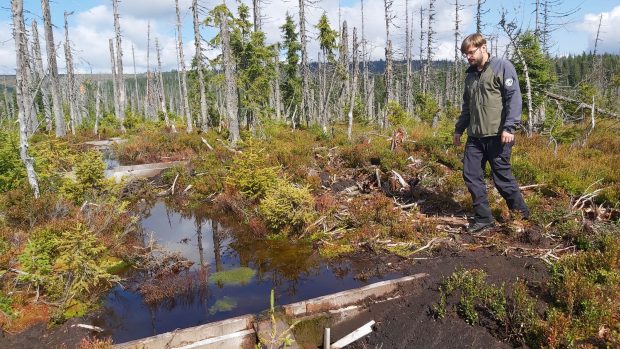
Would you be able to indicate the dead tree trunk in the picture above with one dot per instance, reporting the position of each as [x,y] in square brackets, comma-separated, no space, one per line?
[366,84]
[277,97]
[479,13]
[97,108]
[53,69]
[528,84]
[457,54]
[305,73]
[148,106]
[430,36]
[257,15]
[115,87]
[409,74]
[346,86]
[422,82]
[355,55]
[229,75]
[70,78]
[25,98]
[184,99]
[41,76]
[162,93]
[204,117]
[135,80]
[389,68]
[119,66]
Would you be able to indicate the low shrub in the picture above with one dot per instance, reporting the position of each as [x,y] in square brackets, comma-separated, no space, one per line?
[89,178]
[251,175]
[287,208]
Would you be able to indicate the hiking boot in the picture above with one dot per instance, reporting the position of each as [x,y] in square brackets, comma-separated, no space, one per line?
[479,226]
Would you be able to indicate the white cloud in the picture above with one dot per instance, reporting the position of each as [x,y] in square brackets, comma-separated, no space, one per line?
[91,29]
[609,36]
[7,48]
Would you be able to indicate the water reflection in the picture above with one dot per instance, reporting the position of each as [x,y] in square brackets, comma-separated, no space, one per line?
[294,270]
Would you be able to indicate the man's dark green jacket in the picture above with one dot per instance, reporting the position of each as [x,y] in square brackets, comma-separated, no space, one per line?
[491,101]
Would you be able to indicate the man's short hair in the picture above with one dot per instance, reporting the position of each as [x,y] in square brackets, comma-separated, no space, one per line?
[473,40]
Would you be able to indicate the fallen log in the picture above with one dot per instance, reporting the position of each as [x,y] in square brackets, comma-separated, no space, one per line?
[582,104]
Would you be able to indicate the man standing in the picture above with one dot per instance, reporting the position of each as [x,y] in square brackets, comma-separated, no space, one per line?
[491,112]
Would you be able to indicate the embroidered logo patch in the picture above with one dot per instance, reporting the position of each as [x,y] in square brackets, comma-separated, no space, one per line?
[509,82]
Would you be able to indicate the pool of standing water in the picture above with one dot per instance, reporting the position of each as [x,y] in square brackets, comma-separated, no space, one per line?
[295,271]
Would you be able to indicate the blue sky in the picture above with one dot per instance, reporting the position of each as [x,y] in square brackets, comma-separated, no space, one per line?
[91,26]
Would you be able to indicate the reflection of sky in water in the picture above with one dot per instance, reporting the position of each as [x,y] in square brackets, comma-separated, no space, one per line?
[295,273]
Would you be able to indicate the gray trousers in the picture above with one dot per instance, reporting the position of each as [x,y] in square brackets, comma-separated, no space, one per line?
[479,151]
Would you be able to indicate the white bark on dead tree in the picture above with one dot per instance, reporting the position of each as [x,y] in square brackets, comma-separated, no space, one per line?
[355,55]
[305,73]
[409,73]
[97,108]
[229,76]
[184,99]
[71,93]
[204,117]
[25,98]
[50,45]
[162,94]
[528,84]
[148,98]
[41,76]
[115,88]
[119,66]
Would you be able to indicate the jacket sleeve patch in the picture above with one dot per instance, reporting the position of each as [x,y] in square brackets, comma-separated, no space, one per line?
[509,82]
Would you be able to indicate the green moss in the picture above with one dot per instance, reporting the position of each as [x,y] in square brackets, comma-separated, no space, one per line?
[309,332]
[238,276]
[115,266]
[335,250]
[223,305]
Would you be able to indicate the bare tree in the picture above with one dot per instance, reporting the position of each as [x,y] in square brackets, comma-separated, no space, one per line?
[597,65]
[277,93]
[25,97]
[185,99]
[389,61]
[457,54]
[53,69]
[71,93]
[120,84]
[366,75]
[305,72]
[162,94]
[204,117]
[229,76]
[430,40]
[116,90]
[509,29]
[421,48]
[256,5]
[148,108]
[135,80]
[479,13]
[41,76]
[97,107]
[408,61]
[355,55]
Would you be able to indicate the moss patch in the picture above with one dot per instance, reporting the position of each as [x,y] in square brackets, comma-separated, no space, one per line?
[222,305]
[238,276]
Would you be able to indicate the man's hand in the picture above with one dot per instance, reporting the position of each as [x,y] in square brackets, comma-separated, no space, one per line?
[507,137]
[456,139]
